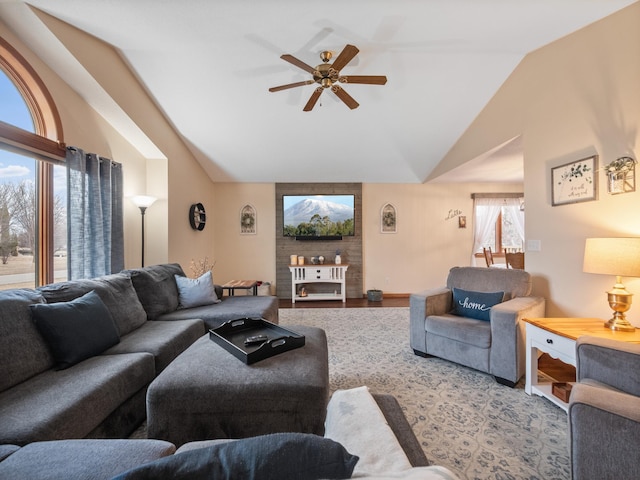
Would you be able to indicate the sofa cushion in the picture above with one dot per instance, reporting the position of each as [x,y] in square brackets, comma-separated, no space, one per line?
[6,450]
[75,330]
[116,291]
[156,288]
[71,403]
[196,292]
[81,459]
[465,330]
[164,340]
[472,304]
[230,308]
[277,456]
[514,283]
[19,339]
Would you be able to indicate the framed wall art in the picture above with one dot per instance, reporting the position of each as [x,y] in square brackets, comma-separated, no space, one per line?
[248,220]
[575,182]
[388,219]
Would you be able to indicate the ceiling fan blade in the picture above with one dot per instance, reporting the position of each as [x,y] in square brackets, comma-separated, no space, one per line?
[346,55]
[345,97]
[366,79]
[312,101]
[298,63]
[291,85]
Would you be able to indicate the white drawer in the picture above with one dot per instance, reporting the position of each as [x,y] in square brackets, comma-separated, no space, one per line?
[555,345]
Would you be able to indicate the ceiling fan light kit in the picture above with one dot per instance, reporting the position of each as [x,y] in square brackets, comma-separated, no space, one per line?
[327,75]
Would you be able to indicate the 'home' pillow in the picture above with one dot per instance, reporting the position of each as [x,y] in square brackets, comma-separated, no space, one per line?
[75,330]
[278,456]
[475,304]
[196,292]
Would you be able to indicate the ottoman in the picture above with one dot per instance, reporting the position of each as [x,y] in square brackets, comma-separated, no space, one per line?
[207,393]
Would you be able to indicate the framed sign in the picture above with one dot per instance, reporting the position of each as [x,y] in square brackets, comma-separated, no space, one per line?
[388,219]
[575,182]
[248,220]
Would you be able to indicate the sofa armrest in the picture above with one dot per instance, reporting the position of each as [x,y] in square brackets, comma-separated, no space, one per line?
[436,301]
[508,360]
[604,427]
[611,362]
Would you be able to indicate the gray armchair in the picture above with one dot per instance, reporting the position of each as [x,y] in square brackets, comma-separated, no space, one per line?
[496,346]
[604,410]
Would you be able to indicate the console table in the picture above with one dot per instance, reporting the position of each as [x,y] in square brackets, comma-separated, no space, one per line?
[557,337]
[303,275]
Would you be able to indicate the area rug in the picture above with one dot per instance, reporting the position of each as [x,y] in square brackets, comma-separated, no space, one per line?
[464,420]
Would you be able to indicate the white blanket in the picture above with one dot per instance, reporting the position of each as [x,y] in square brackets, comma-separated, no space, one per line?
[355,421]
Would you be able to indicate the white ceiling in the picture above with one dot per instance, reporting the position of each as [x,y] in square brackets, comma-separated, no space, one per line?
[209,63]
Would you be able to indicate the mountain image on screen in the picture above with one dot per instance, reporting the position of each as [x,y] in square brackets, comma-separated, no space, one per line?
[314,217]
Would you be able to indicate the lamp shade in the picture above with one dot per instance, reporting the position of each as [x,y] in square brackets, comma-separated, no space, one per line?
[612,256]
[143,201]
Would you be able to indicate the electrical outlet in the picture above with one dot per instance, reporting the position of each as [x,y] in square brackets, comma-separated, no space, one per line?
[387,280]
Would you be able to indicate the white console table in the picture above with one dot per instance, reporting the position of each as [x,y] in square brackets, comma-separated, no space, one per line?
[314,274]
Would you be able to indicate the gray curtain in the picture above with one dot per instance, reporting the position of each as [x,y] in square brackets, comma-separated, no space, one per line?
[94,220]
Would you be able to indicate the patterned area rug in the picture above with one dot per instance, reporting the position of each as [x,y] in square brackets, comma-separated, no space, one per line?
[464,420]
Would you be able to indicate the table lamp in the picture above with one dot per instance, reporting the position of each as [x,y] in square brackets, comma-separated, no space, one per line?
[619,257]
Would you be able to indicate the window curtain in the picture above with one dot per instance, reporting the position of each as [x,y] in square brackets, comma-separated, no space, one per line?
[95,239]
[517,214]
[484,222]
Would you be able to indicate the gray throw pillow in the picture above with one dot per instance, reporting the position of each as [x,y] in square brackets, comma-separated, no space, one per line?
[75,330]
[278,456]
[195,292]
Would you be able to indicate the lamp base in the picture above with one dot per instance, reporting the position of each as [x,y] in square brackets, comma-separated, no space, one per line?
[620,302]
[619,325]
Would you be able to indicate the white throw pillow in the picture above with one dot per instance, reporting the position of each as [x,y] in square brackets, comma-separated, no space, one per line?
[196,292]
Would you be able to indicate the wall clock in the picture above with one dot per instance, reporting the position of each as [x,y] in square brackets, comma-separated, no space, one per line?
[197,216]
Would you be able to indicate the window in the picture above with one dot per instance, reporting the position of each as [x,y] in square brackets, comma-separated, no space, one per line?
[32,178]
[498,223]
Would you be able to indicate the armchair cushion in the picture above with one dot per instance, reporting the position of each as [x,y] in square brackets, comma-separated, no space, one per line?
[476,305]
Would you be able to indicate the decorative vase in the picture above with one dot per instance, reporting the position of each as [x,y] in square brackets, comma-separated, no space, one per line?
[338,260]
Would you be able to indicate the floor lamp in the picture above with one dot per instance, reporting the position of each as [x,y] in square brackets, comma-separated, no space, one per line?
[143,202]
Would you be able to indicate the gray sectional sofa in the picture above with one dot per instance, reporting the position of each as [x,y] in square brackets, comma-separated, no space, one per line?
[87,377]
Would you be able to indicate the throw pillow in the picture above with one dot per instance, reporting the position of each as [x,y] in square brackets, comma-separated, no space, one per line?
[75,330]
[196,292]
[475,304]
[277,456]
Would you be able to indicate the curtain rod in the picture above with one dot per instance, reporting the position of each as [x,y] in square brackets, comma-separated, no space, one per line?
[497,195]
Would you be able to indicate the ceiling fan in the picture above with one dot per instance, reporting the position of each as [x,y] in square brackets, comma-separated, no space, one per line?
[328,75]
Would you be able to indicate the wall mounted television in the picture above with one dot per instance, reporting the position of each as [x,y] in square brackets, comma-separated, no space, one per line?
[318,217]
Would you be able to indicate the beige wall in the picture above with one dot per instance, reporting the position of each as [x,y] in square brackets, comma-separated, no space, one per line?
[417,257]
[576,97]
[240,256]
[176,179]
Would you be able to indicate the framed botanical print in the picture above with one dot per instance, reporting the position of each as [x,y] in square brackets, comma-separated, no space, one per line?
[575,182]
[388,219]
[248,220]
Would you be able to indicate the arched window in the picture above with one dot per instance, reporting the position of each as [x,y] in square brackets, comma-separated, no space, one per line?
[32,202]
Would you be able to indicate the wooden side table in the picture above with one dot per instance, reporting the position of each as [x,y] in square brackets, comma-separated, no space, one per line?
[557,337]
[233,285]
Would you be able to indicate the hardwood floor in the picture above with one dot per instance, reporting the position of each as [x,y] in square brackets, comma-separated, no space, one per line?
[402,301]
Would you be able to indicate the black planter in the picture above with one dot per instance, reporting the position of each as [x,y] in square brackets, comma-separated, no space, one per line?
[374,295]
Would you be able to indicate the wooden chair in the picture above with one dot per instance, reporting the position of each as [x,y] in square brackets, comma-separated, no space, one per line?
[488,256]
[515,260]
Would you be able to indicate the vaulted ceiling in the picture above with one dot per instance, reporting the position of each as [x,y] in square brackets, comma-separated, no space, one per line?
[208,64]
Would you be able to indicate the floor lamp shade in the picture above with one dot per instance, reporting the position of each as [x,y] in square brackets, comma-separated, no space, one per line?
[619,257]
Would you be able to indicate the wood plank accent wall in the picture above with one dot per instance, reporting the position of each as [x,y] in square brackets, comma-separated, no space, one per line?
[350,247]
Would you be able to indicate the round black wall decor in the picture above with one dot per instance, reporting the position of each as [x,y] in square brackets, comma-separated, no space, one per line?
[197,216]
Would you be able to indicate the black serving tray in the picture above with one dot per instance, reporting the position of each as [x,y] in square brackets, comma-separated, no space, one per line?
[232,334]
